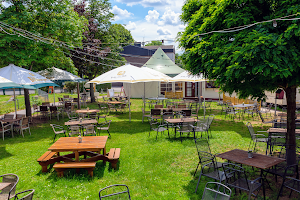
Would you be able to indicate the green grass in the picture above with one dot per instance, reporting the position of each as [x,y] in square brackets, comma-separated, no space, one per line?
[152,169]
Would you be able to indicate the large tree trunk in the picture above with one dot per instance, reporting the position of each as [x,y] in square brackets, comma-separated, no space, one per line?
[290,135]
[27,103]
[92,94]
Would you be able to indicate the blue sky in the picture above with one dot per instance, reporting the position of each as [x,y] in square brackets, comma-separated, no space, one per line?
[150,19]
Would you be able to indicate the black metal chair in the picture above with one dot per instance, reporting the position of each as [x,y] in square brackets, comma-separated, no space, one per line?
[58,129]
[121,191]
[44,111]
[209,167]
[157,127]
[216,191]
[258,136]
[9,191]
[202,125]
[237,178]
[290,182]
[104,126]
[25,195]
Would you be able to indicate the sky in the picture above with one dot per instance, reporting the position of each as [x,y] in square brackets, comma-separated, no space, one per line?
[149,20]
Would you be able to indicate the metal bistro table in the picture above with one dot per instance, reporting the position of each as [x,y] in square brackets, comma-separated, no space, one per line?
[4,185]
[82,122]
[258,160]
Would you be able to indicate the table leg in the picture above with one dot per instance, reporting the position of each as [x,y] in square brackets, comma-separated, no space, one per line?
[76,156]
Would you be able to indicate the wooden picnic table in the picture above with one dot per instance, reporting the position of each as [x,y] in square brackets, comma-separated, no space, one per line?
[88,144]
[82,122]
[281,130]
[180,120]
[115,102]
[4,185]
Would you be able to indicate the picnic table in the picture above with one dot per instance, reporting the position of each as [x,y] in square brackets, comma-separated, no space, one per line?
[81,122]
[85,111]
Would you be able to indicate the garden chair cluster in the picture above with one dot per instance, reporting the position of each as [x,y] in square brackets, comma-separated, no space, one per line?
[8,188]
[9,123]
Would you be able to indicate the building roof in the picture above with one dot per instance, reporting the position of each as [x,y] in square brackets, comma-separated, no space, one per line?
[165,48]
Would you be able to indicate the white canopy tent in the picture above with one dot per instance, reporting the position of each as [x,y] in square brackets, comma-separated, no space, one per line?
[127,74]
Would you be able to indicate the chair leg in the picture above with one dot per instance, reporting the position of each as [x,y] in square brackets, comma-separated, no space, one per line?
[109,133]
[198,183]
[197,168]
[54,138]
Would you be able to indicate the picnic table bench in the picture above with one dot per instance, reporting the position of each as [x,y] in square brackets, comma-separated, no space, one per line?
[61,167]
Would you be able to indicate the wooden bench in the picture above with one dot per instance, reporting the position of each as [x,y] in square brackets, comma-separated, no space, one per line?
[61,167]
[113,156]
[44,160]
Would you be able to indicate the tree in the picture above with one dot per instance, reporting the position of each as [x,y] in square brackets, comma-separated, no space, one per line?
[154,43]
[121,34]
[249,61]
[43,18]
[178,60]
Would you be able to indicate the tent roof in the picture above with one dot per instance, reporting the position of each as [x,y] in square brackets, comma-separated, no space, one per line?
[162,63]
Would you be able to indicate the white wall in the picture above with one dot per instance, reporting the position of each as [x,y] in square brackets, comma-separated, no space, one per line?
[137,89]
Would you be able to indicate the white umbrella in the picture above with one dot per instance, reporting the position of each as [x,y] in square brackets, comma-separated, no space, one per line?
[25,78]
[59,75]
[5,84]
[127,74]
[186,76]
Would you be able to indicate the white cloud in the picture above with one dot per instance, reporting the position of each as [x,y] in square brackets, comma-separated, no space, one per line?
[162,31]
[131,26]
[146,3]
[152,16]
[120,14]
[169,18]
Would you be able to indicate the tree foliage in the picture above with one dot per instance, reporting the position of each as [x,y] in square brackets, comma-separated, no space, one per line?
[154,43]
[121,34]
[249,61]
[47,18]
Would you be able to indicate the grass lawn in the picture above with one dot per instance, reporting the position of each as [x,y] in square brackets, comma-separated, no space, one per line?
[152,169]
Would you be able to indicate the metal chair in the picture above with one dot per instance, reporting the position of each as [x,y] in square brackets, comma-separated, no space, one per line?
[216,191]
[258,136]
[58,129]
[145,115]
[237,178]
[209,167]
[24,125]
[5,128]
[89,130]
[185,127]
[9,191]
[155,126]
[54,111]
[187,113]
[266,109]
[121,191]
[104,126]
[155,114]
[28,196]
[44,111]
[74,130]
[290,182]
[202,125]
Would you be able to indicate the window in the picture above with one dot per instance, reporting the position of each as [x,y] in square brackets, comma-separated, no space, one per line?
[164,86]
[178,86]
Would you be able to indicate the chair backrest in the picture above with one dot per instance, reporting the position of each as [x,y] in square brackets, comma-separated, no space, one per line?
[66,96]
[120,190]
[251,130]
[74,130]
[187,113]
[25,121]
[43,108]
[9,178]
[9,116]
[55,127]
[181,106]
[216,191]
[186,127]
[234,173]
[28,195]
[20,116]
[46,104]
[158,106]
[53,108]
[90,129]
[203,122]
[108,123]
[155,111]
[202,144]
[211,119]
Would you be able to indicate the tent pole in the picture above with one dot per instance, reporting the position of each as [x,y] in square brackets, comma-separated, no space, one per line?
[78,96]
[129,102]
[54,94]
[144,99]
[15,102]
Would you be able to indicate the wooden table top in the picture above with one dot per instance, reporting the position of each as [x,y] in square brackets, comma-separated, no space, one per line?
[10,120]
[83,122]
[281,130]
[115,102]
[179,120]
[173,109]
[89,143]
[4,185]
[87,111]
[258,160]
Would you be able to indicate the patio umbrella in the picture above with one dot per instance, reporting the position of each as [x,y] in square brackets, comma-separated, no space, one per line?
[186,76]
[58,75]
[25,78]
[126,74]
[5,84]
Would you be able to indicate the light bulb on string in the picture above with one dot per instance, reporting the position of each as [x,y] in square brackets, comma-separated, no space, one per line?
[274,23]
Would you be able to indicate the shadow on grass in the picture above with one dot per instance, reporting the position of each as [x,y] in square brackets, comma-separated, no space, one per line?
[4,153]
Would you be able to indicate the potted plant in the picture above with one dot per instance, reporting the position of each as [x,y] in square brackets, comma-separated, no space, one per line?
[250,153]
